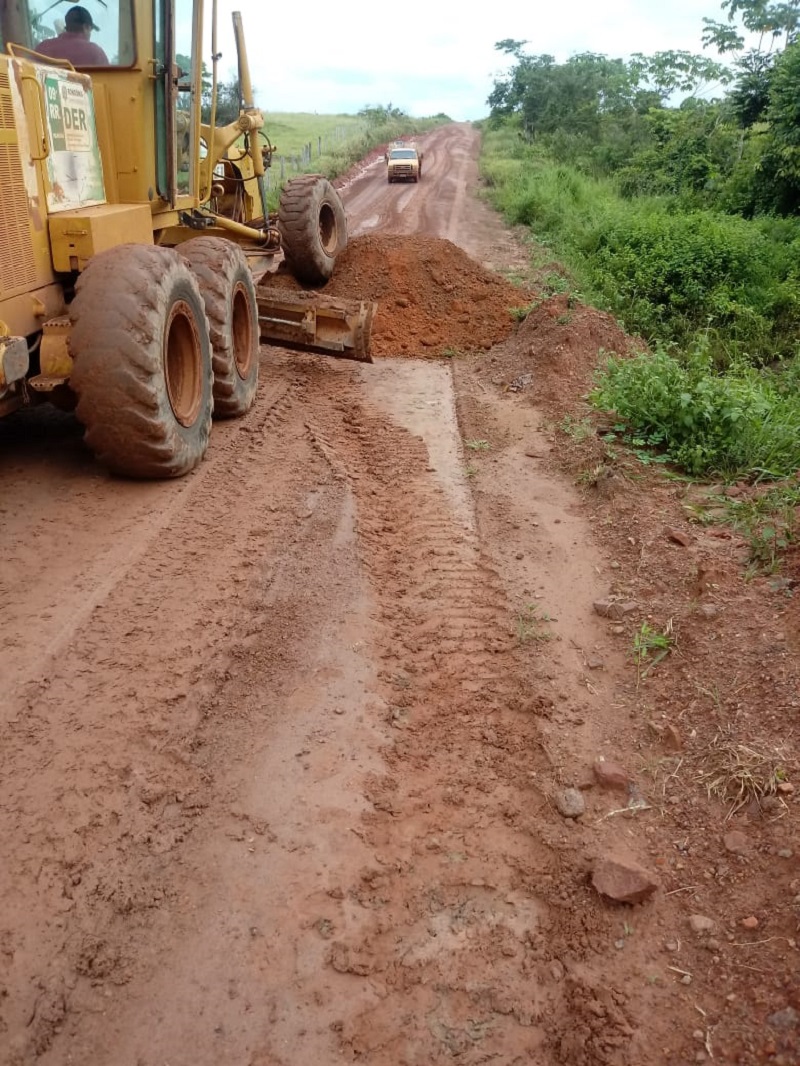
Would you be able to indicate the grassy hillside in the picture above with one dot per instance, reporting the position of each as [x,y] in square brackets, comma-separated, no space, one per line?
[290,132]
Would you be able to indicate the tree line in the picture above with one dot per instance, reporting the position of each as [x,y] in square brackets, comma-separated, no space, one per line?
[733,142]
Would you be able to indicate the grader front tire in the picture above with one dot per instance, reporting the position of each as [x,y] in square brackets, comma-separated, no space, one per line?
[142,362]
[313,227]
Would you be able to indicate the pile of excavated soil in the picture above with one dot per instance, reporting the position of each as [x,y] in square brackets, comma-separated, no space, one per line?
[561,343]
[433,299]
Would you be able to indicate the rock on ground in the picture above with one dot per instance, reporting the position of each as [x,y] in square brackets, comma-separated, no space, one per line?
[611,775]
[701,924]
[623,879]
[570,802]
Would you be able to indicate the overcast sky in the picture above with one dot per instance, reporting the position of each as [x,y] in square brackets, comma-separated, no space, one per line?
[431,56]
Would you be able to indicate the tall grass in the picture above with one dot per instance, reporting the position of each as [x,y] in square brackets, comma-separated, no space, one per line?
[291,131]
[668,275]
[716,296]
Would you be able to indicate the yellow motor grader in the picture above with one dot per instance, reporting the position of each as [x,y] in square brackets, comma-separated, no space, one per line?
[135,231]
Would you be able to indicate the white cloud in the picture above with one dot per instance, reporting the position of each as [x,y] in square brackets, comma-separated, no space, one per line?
[429,57]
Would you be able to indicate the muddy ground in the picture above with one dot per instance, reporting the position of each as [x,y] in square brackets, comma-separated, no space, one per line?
[326,753]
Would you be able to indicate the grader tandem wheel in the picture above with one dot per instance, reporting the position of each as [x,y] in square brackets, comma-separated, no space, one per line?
[162,338]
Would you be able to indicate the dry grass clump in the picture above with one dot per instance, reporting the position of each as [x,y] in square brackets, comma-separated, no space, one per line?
[738,774]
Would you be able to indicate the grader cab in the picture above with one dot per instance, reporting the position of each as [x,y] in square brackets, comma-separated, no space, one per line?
[135,230]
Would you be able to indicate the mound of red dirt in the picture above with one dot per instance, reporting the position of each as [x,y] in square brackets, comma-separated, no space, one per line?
[561,342]
[433,299]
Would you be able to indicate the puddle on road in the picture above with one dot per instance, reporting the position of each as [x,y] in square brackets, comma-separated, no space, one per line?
[420,397]
[368,223]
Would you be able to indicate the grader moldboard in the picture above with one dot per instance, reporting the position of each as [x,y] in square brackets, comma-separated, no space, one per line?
[134,232]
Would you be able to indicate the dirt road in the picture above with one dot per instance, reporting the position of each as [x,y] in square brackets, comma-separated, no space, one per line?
[283,741]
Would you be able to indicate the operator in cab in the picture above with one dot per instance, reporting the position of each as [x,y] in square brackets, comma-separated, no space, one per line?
[75,43]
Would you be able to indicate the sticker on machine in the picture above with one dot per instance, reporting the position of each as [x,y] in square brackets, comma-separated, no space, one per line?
[74,167]
[75,118]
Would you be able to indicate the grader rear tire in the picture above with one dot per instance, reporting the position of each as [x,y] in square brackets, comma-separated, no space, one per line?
[226,284]
[142,362]
[313,227]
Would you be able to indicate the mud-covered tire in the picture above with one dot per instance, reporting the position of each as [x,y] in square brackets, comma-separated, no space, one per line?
[229,294]
[142,362]
[313,227]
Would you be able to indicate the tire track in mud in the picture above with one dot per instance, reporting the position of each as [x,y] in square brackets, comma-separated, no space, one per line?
[84,591]
[432,916]
[444,941]
[465,930]
[118,751]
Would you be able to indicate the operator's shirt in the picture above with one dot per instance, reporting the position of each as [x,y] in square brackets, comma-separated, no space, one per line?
[75,48]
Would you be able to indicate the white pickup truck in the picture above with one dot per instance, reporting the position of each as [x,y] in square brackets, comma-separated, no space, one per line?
[403,163]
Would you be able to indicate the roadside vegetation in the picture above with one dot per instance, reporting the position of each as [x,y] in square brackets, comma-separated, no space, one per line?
[680,218]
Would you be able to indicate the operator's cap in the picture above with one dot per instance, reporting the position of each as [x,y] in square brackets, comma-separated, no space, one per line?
[78,17]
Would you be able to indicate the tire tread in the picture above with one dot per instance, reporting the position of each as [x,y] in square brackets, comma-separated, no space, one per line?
[117,321]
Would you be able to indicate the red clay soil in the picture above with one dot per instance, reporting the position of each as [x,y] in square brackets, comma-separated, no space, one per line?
[709,731]
[302,753]
[710,722]
[433,299]
[713,723]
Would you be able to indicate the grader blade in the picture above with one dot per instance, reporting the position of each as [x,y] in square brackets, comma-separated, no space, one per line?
[315,322]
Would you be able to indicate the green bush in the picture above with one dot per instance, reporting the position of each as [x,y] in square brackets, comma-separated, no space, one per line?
[667,274]
[679,273]
[717,295]
[738,423]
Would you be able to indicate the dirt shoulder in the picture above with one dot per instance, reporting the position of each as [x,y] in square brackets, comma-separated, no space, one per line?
[703,725]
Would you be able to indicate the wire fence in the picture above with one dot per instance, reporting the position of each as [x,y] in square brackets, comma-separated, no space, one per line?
[297,162]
